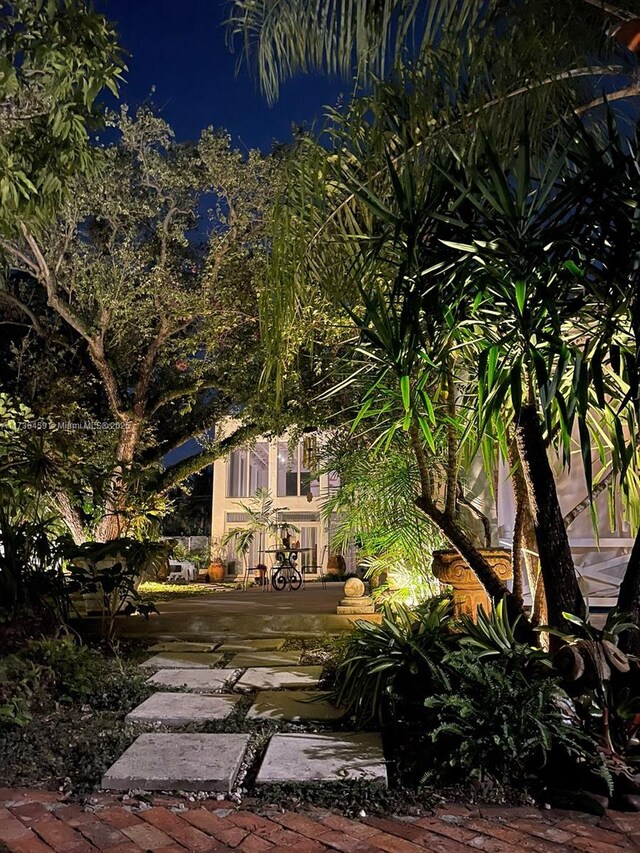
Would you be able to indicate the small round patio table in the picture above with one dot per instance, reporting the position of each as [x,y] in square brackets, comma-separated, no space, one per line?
[285,572]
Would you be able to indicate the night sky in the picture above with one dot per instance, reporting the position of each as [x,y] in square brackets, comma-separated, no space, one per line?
[180,48]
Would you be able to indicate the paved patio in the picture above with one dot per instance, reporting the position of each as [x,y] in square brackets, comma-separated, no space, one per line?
[40,822]
[255,613]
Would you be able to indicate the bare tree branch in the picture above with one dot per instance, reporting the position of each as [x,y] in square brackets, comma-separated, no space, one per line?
[179,473]
[579,508]
[24,309]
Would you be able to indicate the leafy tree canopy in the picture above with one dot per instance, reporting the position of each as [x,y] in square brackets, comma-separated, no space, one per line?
[56,57]
[138,309]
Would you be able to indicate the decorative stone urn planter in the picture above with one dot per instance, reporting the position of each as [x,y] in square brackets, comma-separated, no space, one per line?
[468,593]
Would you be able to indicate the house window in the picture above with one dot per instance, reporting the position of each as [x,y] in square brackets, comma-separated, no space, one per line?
[248,471]
[254,555]
[294,476]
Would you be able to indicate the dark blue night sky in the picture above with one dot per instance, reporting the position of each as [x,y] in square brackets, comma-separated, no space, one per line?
[180,48]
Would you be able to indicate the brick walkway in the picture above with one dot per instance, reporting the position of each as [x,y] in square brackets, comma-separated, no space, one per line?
[39,822]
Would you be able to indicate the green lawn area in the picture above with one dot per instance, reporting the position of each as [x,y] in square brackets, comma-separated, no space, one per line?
[153,591]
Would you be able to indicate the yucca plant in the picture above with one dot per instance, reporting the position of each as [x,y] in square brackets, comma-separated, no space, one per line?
[387,670]
[493,635]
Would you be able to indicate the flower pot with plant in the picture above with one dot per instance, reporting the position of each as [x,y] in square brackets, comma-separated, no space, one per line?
[217,568]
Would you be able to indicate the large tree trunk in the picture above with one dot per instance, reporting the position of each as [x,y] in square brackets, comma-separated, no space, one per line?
[629,599]
[114,521]
[556,561]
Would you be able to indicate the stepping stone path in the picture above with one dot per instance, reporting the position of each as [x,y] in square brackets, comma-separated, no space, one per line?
[180,709]
[264,659]
[267,645]
[331,757]
[171,761]
[182,660]
[274,677]
[198,680]
[178,762]
[293,705]
[183,647]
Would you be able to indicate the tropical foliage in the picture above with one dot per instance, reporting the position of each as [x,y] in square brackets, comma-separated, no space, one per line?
[387,670]
[508,49]
[470,702]
[374,507]
[448,221]
[57,58]
[30,563]
[137,338]
[492,723]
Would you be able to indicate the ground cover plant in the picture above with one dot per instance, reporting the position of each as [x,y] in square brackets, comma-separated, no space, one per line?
[62,709]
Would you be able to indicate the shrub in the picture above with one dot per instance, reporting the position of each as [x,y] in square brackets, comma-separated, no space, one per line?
[114,585]
[387,670]
[68,673]
[493,635]
[121,688]
[75,671]
[19,683]
[488,719]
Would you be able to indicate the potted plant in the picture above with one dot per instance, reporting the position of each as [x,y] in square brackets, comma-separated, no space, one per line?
[108,574]
[262,522]
[217,568]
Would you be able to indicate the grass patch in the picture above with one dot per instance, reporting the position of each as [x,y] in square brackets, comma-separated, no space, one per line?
[153,591]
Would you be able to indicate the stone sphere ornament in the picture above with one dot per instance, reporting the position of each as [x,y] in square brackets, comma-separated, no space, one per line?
[353,588]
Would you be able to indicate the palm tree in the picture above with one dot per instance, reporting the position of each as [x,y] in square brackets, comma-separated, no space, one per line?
[375,508]
[263,521]
[370,38]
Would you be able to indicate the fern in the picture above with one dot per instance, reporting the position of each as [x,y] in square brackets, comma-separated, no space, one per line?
[490,720]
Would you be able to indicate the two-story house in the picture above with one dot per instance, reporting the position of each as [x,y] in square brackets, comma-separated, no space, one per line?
[286,471]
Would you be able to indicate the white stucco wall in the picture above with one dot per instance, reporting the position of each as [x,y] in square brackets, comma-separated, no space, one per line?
[292,505]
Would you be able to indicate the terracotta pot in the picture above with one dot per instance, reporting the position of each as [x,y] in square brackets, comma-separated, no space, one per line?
[217,571]
[468,593]
[628,35]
